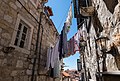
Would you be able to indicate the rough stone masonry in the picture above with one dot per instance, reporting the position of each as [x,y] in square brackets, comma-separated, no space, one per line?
[18,64]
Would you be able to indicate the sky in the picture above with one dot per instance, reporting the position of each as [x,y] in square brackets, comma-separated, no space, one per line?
[60,10]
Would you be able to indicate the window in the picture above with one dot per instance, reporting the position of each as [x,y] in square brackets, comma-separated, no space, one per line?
[21,35]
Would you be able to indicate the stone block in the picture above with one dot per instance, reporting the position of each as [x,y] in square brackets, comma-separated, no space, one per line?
[0,62]
[4,42]
[29,72]
[26,64]
[18,4]
[14,73]
[19,64]
[8,18]
[30,66]
[26,78]
[6,1]
[4,62]
[33,41]
[26,1]
[16,79]
[6,36]
[21,78]
[13,5]
[0,1]
[35,30]
[1,14]
[22,73]
[0,30]
[4,7]
[2,54]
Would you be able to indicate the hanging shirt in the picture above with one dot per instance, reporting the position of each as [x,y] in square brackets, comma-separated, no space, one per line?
[60,46]
[76,42]
[68,48]
[57,69]
[71,46]
[63,42]
[73,43]
[55,54]
[49,54]
[65,39]
[84,32]
[55,60]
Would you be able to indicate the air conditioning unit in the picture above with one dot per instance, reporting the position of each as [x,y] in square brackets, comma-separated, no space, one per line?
[87,11]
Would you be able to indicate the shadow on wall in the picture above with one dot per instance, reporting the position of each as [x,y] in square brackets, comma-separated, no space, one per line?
[111,4]
[117,58]
[97,24]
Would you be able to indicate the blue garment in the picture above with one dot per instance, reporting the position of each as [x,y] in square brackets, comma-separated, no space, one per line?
[63,43]
[65,50]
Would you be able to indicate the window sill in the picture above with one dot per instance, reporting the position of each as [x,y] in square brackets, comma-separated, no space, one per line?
[23,50]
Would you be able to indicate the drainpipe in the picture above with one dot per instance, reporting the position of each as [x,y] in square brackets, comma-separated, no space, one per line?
[37,41]
[36,49]
[40,51]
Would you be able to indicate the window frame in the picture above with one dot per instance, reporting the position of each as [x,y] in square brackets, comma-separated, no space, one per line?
[21,32]
[29,34]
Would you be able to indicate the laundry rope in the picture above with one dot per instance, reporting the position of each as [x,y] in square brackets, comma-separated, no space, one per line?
[65,16]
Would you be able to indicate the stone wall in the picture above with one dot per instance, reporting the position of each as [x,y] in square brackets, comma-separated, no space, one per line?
[109,20]
[18,64]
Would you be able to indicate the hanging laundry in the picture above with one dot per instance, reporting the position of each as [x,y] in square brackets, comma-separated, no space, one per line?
[76,42]
[64,39]
[69,18]
[52,58]
[70,47]
[49,54]
[63,42]
[48,64]
[60,46]
[57,69]
[55,64]
[51,72]
[55,54]
[73,44]
[84,32]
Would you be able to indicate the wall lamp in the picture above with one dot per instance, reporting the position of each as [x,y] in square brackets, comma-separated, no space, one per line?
[102,44]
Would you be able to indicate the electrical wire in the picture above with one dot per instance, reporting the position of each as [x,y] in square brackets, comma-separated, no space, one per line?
[65,15]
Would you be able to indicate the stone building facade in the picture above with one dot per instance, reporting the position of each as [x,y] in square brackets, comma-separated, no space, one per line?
[25,34]
[104,22]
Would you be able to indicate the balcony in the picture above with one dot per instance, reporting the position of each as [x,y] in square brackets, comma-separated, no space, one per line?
[108,76]
[87,11]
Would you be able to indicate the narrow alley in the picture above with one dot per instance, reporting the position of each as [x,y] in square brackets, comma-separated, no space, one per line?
[37,36]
